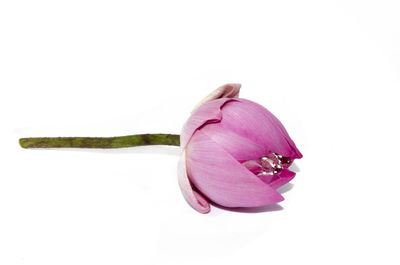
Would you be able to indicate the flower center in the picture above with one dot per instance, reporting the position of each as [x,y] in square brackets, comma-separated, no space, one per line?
[268,165]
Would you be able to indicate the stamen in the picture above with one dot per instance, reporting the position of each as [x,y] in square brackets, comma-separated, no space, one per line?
[264,173]
[269,165]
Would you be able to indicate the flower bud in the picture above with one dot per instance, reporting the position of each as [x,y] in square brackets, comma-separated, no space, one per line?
[235,153]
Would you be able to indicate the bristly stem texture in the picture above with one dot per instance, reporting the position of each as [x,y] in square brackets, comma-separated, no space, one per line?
[100,142]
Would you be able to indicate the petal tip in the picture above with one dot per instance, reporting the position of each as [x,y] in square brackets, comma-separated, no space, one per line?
[299,155]
[203,206]
[230,90]
[196,200]
[279,198]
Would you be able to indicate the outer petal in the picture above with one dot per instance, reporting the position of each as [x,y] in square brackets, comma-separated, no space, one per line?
[192,197]
[252,121]
[277,125]
[239,146]
[222,178]
[209,112]
[225,91]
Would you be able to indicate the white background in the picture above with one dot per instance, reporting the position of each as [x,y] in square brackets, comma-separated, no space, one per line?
[329,70]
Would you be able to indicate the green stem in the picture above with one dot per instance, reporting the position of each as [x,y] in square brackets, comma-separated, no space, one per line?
[100,142]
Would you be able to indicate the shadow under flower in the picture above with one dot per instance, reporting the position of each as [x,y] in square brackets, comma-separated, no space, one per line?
[285,188]
[295,168]
[261,209]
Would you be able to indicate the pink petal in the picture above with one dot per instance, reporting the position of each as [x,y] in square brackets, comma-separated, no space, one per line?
[192,197]
[225,91]
[240,147]
[252,121]
[278,125]
[210,112]
[222,178]
[284,177]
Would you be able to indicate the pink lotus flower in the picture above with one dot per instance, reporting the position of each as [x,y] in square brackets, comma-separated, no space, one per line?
[235,153]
